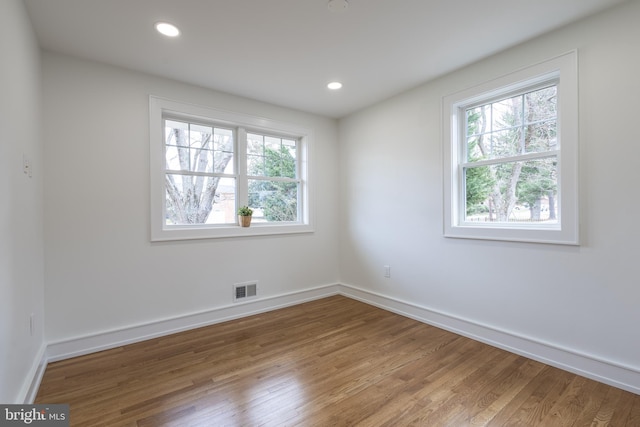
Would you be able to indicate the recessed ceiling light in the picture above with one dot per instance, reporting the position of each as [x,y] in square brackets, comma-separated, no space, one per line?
[167,29]
[334,85]
[338,6]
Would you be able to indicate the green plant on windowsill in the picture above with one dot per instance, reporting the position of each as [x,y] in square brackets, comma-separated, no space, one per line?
[245,211]
[244,216]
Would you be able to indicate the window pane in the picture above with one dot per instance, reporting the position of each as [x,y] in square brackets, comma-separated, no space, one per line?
[541,137]
[173,155]
[505,143]
[280,162]
[173,124]
[541,104]
[271,143]
[478,119]
[224,206]
[177,153]
[507,113]
[514,192]
[192,199]
[201,160]
[200,136]
[255,165]
[288,155]
[223,144]
[273,200]
[475,148]
[255,144]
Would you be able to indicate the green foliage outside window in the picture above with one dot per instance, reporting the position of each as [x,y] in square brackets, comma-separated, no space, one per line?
[277,199]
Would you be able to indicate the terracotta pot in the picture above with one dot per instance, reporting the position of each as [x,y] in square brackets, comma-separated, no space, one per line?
[245,221]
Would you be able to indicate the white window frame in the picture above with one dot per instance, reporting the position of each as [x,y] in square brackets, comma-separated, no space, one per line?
[562,70]
[161,107]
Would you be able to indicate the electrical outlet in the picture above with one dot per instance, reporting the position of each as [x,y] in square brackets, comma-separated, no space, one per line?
[387,271]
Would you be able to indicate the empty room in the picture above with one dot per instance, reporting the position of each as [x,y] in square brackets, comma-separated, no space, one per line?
[319,212]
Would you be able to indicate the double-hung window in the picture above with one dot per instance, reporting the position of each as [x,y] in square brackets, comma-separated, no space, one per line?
[511,156]
[206,163]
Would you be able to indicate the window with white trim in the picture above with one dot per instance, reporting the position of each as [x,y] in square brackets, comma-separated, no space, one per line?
[511,156]
[206,163]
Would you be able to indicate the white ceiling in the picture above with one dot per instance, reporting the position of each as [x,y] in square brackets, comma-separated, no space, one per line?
[285,51]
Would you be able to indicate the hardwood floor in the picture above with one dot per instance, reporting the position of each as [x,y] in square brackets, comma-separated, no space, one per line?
[331,362]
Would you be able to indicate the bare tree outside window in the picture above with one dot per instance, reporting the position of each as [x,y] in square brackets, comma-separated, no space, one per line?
[198,165]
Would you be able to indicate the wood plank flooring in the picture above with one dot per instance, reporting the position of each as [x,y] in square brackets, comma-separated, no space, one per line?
[331,362]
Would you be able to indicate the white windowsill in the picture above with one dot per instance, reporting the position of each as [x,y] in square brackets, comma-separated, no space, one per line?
[224,231]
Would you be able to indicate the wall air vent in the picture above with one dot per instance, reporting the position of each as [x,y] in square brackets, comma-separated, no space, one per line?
[242,291]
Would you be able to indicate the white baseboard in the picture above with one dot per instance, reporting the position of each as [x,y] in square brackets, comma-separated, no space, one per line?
[79,346]
[30,388]
[608,372]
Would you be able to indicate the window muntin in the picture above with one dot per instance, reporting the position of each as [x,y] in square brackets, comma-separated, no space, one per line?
[510,171]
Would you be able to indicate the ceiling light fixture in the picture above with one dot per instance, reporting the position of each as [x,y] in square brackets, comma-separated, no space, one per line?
[338,6]
[167,29]
[334,85]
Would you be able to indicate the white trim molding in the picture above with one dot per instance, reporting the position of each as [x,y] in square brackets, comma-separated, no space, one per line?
[105,340]
[32,383]
[604,371]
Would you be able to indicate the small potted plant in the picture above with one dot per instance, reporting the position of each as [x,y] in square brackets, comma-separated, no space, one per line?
[244,216]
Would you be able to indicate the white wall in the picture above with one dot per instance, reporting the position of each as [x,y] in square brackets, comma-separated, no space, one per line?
[102,272]
[21,235]
[581,299]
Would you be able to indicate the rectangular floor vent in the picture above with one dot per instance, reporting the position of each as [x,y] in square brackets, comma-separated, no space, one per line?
[242,291]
